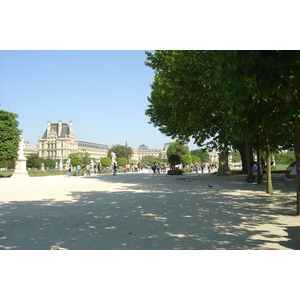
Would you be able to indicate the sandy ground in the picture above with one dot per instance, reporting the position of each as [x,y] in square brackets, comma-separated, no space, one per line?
[146,211]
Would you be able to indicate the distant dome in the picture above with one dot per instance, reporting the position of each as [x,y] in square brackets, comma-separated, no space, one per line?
[143,147]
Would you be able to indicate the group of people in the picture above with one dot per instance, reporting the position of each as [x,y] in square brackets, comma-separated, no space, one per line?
[204,166]
[89,167]
[157,168]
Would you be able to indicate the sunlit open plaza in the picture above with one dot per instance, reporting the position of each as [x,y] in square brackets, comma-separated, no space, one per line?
[145,211]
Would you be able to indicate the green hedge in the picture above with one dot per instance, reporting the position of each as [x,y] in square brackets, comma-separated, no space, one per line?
[188,170]
[175,172]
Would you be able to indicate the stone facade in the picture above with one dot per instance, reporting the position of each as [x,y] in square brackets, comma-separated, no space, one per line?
[144,150]
[30,149]
[58,141]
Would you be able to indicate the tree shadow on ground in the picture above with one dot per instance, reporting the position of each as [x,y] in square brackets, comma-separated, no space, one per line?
[152,212]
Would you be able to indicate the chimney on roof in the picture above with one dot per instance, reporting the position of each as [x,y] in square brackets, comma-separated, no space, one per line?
[70,127]
[48,128]
[59,127]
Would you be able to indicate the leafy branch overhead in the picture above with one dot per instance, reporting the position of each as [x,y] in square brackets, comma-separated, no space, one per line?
[234,99]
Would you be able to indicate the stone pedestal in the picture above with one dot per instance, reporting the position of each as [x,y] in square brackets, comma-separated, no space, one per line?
[43,167]
[20,169]
[61,166]
[223,164]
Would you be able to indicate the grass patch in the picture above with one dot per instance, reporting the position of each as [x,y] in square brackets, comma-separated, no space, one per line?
[47,173]
[33,173]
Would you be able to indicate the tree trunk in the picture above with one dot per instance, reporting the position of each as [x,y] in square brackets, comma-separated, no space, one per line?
[297,154]
[258,162]
[243,153]
[269,176]
[249,151]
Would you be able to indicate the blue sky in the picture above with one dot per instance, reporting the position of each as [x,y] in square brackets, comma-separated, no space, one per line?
[103,92]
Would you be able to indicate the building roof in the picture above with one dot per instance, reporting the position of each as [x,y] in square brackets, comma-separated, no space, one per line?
[54,127]
[143,147]
[83,144]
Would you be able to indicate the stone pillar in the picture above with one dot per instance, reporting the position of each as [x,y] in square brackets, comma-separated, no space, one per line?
[20,167]
[223,164]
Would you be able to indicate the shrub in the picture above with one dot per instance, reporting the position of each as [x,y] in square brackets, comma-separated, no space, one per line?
[175,172]
[187,170]
[174,159]
[186,160]
[105,162]
[122,161]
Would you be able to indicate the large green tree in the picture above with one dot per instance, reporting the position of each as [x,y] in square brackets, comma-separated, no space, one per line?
[9,136]
[185,96]
[33,161]
[264,89]
[120,151]
[178,148]
[201,153]
[79,158]
[50,163]
[149,159]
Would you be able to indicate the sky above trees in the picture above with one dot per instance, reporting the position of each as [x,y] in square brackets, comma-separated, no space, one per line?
[104,93]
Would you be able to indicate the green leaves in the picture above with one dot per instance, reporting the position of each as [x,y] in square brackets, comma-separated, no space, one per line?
[9,136]
[120,151]
[185,94]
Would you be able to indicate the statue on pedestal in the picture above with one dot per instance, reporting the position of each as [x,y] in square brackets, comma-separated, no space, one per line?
[60,164]
[20,167]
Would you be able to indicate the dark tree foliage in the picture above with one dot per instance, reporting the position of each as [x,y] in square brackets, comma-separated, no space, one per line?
[9,136]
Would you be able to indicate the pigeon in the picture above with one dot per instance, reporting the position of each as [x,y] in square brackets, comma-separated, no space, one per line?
[210,186]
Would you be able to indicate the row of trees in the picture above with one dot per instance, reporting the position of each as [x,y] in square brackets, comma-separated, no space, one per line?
[238,100]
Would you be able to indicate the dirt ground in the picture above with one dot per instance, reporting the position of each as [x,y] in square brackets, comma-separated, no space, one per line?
[147,212]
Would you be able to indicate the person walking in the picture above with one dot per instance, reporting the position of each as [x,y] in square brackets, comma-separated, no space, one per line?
[78,169]
[154,168]
[88,168]
[115,169]
[69,170]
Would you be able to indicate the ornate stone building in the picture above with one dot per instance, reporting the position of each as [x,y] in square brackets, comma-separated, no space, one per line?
[30,149]
[58,141]
[144,150]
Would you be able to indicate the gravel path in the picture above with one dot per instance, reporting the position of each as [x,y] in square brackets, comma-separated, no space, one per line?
[146,211]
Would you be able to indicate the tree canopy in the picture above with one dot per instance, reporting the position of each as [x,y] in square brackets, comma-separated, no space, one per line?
[9,136]
[201,153]
[233,98]
[178,148]
[185,96]
[120,151]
